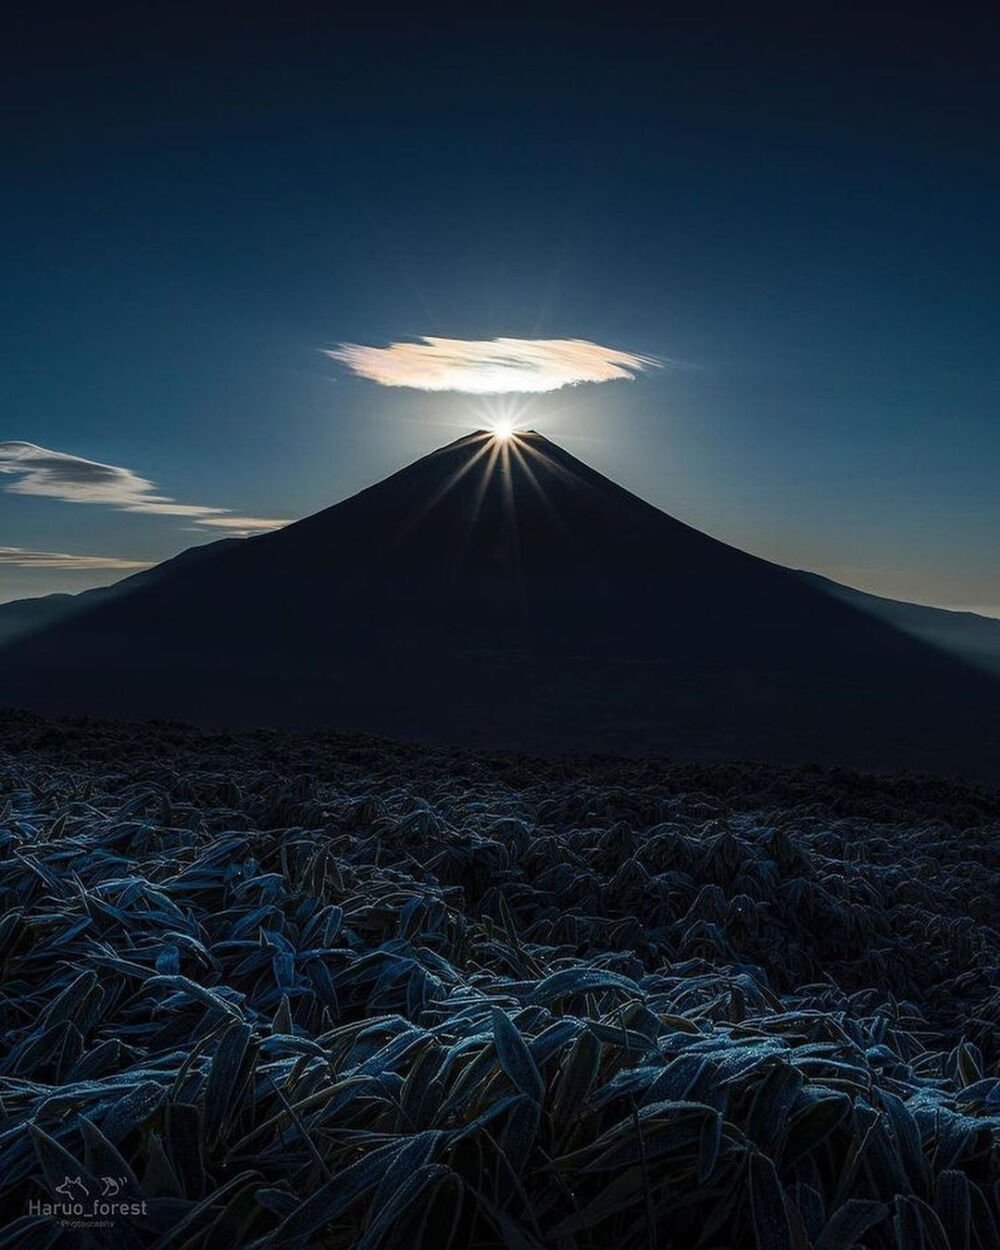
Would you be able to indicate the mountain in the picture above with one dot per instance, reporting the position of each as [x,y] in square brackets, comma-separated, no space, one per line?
[21,617]
[967,635]
[508,594]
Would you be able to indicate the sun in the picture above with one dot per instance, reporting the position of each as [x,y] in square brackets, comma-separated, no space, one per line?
[503,415]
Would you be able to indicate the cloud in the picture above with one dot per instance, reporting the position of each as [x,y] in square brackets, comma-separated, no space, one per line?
[60,475]
[23,559]
[491,366]
[245,524]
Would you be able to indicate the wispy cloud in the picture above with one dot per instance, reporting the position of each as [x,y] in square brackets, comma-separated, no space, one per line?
[61,475]
[24,559]
[491,366]
[244,524]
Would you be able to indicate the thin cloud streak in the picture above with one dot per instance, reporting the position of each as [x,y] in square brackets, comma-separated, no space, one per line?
[23,559]
[60,475]
[491,366]
[243,524]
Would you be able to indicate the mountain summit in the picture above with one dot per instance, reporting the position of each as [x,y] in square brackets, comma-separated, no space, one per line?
[501,592]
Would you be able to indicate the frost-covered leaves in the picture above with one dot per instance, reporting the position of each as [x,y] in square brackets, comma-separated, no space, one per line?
[303,992]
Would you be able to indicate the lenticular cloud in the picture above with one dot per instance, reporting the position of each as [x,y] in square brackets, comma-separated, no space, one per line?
[491,366]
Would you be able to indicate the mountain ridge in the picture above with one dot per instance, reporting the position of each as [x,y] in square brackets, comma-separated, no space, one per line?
[970,636]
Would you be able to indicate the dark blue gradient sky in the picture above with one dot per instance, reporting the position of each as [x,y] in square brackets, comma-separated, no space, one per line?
[803,216]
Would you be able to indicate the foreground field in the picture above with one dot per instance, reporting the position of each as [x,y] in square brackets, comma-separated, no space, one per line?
[321,991]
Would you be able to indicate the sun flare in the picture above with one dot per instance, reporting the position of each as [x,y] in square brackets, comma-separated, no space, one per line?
[503,429]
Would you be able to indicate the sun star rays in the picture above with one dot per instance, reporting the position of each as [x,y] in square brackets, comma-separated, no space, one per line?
[508,468]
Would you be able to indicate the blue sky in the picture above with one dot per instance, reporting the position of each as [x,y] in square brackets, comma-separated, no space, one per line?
[802,218]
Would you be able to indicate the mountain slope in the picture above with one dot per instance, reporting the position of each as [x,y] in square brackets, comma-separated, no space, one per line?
[21,617]
[967,635]
[512,595]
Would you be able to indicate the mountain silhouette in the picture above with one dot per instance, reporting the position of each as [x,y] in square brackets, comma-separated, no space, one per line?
[21,617]
[507,594]
[973,637]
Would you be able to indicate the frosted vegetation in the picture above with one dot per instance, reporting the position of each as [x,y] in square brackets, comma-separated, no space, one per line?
[318,991]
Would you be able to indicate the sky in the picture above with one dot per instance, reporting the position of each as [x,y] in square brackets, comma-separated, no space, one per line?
[775,246]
